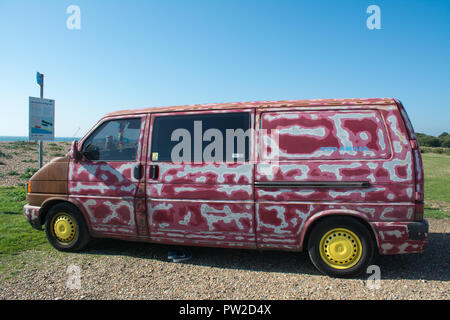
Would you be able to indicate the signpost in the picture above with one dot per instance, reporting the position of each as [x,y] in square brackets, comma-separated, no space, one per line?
[41,118]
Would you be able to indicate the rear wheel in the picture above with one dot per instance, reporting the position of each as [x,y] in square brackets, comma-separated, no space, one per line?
[65,228]
[340,247]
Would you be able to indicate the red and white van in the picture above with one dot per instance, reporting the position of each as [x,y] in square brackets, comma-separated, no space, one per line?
[340,178]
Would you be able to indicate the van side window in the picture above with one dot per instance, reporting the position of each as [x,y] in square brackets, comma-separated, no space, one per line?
[115,140]
[200,138]
[326,135]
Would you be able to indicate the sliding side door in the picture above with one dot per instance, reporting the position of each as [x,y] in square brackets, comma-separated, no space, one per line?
[200,178]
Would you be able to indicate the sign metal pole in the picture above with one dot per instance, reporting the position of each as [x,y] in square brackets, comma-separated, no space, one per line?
[42,97]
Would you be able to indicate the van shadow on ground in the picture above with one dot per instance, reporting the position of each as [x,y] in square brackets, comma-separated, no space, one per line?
[433,264]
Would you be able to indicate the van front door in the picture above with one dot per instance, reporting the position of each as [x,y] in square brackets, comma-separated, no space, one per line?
[200,178]
[104,181]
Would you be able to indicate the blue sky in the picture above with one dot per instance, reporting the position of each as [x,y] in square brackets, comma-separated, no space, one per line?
[136,54]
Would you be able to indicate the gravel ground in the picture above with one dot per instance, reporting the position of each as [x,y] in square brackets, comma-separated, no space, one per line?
[112,269]
[14,158]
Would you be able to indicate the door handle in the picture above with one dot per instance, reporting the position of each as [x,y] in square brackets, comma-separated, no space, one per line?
[154,172]
[138,172]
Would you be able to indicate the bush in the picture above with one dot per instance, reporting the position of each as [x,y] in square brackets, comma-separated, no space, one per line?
[29,172]
[445,142]
[428,141]
[4,155]
[435,150]
[57,154]
[425,140]
[29,161]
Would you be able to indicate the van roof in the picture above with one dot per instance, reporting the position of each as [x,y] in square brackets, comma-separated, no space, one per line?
[252,104]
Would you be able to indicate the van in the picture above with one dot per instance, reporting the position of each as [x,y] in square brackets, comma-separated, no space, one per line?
[341,179]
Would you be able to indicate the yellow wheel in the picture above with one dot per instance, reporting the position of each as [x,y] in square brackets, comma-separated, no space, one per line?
[340,248]
[64,227]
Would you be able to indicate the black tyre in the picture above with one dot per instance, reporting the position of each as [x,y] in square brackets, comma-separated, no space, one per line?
[341,247]
[65,228]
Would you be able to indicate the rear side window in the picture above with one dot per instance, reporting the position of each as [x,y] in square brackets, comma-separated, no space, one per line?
[324,135]
[198,138]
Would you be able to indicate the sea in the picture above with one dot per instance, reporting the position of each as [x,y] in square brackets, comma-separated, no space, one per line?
[18,138]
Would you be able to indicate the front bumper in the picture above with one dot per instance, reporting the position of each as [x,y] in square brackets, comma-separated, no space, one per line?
[401,237]
[32,215]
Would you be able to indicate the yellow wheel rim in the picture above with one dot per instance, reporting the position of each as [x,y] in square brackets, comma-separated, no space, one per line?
[64,228]
[340,248]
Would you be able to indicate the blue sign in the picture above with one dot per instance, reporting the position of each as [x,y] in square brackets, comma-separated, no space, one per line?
[39,78]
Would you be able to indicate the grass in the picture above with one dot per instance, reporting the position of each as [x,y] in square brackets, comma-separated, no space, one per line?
[437,185]
[437,176]
[16,234]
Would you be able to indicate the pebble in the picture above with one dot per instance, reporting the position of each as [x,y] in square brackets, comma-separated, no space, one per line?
[114,269]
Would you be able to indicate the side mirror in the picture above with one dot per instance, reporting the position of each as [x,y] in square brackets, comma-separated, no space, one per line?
[74,152]
[91,152]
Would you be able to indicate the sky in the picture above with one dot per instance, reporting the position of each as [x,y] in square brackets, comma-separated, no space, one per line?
[138,54]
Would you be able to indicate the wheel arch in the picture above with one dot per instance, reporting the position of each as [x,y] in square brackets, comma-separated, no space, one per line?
[49,203]
[310,223]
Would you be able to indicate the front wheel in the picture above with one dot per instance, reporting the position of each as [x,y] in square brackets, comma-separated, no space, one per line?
[341,247]
[65,228]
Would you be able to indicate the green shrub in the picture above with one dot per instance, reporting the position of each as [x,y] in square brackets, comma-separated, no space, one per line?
[29,172]
[4,155]
[29,161]
[445,141]
[425,140]
[428,141]
[12,173]
[435,150]
[57,154]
